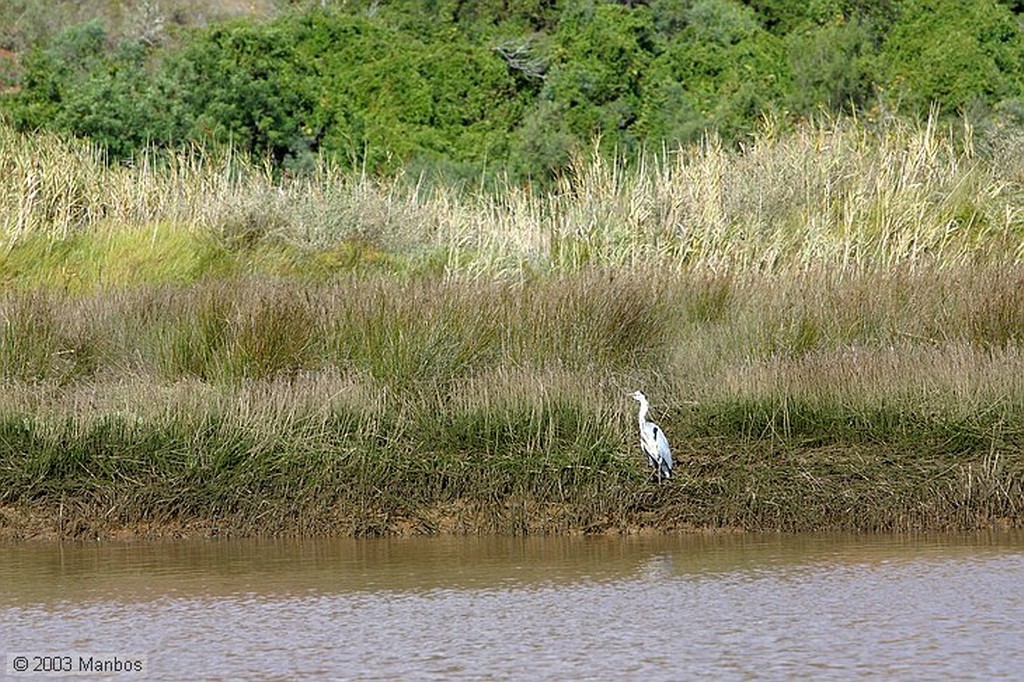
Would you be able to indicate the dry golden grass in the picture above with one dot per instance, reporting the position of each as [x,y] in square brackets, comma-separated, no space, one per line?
[843,196]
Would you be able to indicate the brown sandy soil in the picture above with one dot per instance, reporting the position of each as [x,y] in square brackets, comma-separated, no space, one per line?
[19,523]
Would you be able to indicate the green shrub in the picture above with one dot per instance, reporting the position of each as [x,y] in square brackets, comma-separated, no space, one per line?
[458,89]
[602,53]
[81,84]
[722,71]
[831,66]
[365,94]
[954,54]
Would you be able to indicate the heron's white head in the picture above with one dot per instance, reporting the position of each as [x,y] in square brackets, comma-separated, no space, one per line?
[638,396]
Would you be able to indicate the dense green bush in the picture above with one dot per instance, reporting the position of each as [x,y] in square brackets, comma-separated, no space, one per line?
[521,85]
[79,83]
[593,87]
[362,92]
[953,54]
[722,71]
[831,65]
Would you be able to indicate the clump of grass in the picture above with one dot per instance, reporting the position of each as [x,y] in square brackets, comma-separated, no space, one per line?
[998,317]
[398,331]
[158,253]
[37,343]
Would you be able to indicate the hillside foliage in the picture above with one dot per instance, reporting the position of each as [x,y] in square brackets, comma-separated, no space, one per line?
[521,85]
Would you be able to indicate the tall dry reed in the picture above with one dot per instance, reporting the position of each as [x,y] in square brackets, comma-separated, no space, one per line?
[843,194]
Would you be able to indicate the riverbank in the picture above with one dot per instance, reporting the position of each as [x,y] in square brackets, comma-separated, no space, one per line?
[382,405]
[908,440]
[829,326]
[835,488]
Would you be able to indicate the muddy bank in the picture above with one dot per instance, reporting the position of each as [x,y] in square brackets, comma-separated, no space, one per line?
[730,501]
[41,523]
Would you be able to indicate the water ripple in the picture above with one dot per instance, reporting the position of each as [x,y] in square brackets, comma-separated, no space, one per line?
[638,612]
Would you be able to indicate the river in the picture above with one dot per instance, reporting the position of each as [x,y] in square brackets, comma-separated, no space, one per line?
[698,607]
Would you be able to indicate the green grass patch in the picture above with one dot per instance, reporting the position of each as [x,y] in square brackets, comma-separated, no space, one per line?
[110,257]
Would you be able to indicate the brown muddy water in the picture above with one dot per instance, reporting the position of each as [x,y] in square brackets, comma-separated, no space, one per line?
[722,607]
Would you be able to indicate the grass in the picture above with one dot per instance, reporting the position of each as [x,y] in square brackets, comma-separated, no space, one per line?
[848,195]
[829,325]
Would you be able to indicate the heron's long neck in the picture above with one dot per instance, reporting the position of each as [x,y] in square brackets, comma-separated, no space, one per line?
[643,411]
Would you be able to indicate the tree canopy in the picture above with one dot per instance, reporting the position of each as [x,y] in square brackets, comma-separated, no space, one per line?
[518,84]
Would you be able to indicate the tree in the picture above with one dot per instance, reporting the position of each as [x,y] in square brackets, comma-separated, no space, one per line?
[955,54]
[721,71]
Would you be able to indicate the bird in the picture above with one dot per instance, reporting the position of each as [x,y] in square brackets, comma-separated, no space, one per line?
[653,441]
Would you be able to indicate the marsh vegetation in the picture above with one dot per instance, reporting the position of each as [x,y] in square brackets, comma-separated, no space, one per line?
[829,324]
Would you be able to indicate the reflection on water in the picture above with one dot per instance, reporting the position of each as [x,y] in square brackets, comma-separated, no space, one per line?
[680,607]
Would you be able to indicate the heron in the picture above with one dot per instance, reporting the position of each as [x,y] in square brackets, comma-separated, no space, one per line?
[653,441]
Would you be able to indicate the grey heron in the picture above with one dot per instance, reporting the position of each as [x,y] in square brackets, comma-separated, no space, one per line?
[653,441]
